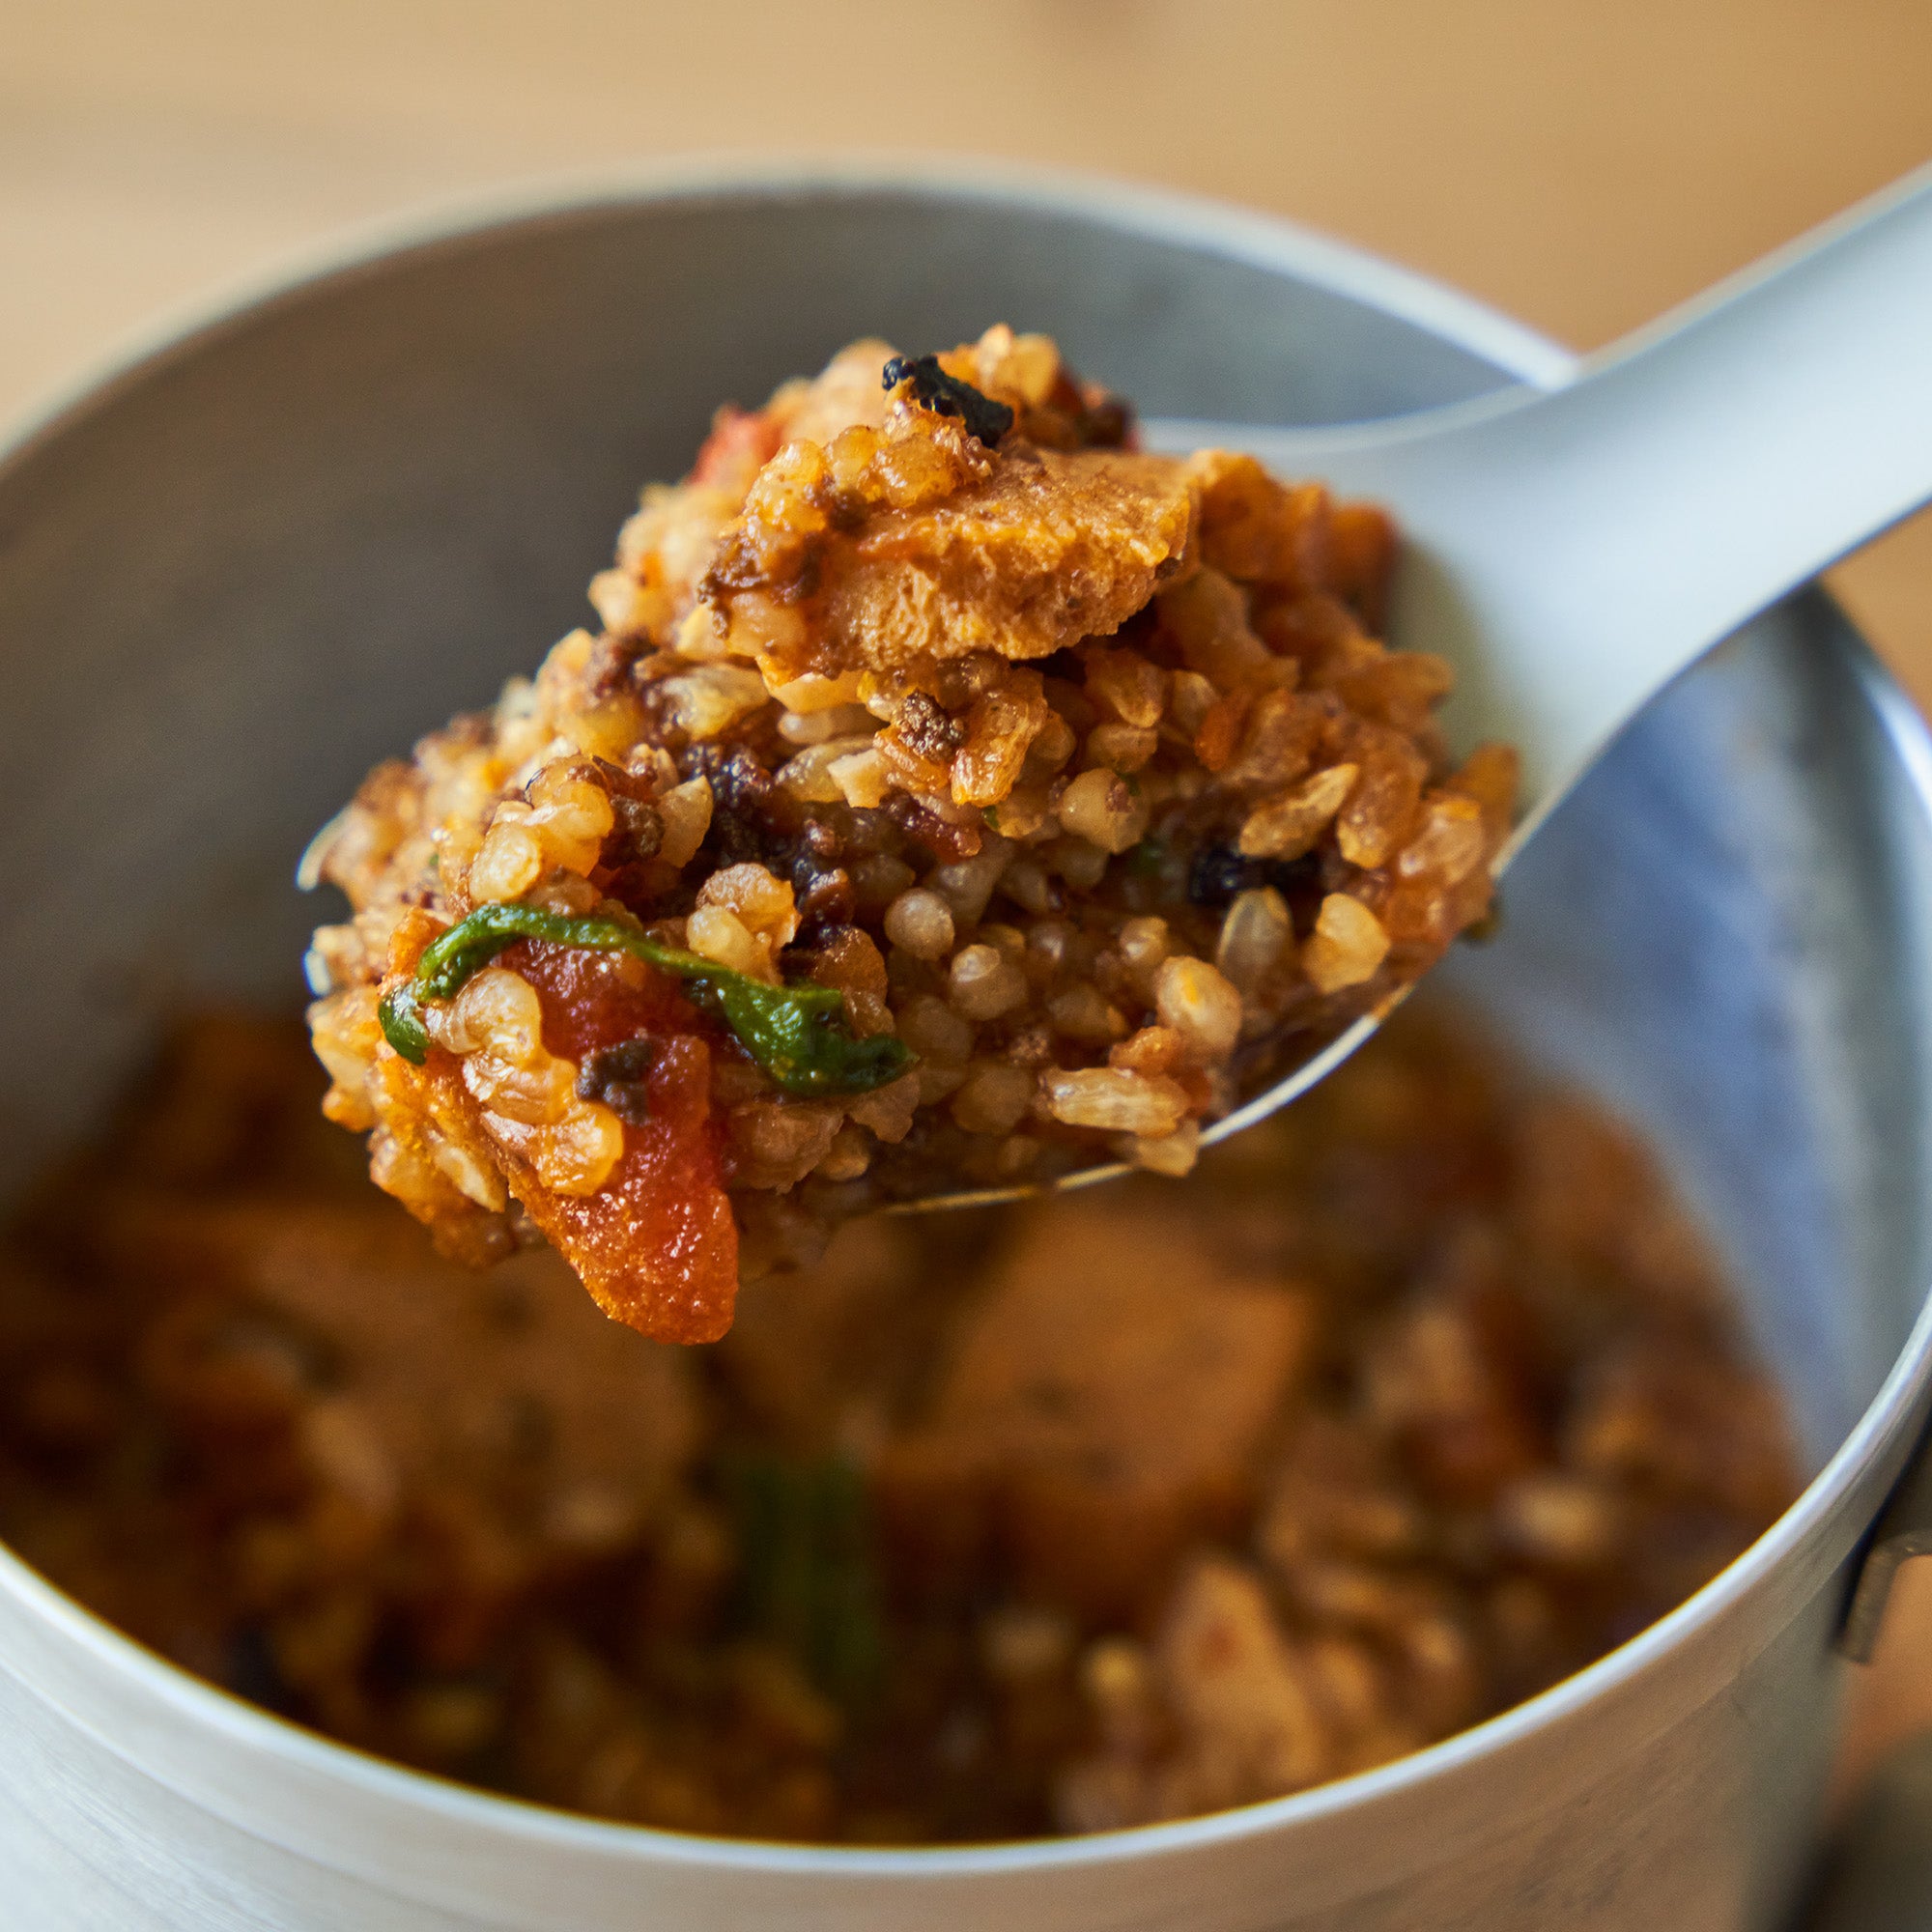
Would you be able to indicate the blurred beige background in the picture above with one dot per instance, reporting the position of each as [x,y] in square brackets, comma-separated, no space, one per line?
[1582,167]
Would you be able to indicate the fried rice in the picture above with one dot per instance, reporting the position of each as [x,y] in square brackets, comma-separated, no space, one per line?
[952,796]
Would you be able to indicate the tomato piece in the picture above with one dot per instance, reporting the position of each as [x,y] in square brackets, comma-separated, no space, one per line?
[656,1244]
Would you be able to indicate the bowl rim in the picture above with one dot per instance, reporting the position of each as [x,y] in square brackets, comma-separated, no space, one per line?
[1267,242]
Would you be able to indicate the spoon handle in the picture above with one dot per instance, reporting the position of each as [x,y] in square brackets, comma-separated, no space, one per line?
[1573,549]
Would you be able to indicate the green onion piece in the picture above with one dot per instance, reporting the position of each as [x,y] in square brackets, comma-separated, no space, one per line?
[402,1024]
[796,1032]
[808,1567]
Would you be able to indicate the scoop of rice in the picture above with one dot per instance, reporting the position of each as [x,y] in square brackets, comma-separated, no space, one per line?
[953,795]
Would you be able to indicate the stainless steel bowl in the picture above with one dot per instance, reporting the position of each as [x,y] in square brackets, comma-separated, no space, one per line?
[242,567]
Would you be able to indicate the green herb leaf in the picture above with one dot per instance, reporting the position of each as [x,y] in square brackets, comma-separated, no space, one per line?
[796,1032]
[807,1570]
[402,1024]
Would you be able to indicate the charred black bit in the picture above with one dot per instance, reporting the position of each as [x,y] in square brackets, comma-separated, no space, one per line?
[739,780]
[924,827]
[1218,872]
[636,831]
[612,660]
[739,564]
[824,897]
[842,513]
[734,566]
[803,579]
[816,933]
[743,827]
[821,886]
[823,840]
[615,1076]
[946,395]
[923,726]
[734,840]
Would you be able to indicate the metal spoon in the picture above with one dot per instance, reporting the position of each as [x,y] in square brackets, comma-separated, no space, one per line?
[1572,550]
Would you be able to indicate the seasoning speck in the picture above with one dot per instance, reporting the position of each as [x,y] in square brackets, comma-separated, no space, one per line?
[948,396]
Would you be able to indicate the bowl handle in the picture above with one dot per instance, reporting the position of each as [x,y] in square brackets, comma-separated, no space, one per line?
[1904,1528]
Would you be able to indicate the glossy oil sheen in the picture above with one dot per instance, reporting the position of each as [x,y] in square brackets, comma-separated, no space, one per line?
[253,564]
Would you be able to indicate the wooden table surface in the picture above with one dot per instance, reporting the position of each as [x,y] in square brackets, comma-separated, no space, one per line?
[1584,168]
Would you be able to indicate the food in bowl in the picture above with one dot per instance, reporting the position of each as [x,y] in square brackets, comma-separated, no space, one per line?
[952,796]
[1067,1514]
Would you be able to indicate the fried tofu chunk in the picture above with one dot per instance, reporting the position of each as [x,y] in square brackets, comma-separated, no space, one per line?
[1103,1405]
[1040,550]
[1052,549]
